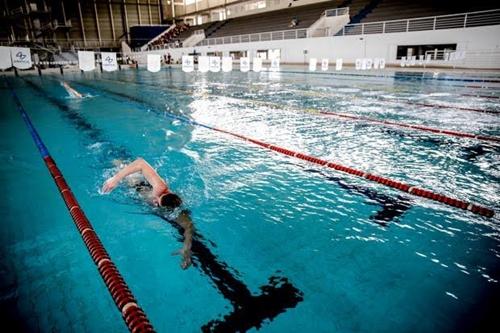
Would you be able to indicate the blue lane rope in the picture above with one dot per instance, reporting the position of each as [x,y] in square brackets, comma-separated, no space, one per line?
[36,137]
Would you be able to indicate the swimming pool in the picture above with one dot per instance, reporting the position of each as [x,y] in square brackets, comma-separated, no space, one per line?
[330,252]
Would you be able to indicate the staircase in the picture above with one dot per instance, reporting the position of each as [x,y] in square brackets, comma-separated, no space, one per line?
[216,26]
[365,11]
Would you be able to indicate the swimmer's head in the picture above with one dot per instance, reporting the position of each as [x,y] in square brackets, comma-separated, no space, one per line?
[169,200]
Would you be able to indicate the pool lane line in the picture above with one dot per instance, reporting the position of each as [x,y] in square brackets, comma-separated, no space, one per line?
[416,191]
[250,310]
[134,317]
[352,117]
[410,126]
[474,208]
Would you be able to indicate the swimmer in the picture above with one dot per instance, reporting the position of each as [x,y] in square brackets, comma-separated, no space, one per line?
[72,92]
[155,190]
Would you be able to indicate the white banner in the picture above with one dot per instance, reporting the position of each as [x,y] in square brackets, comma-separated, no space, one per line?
[428,58]
[413,60]
[369,63]
[203,64]
[257,64]
[154,63]
[21,57]
[421,60]
[324,64]
[227,64]
[86,60]
[214,64]
[359,64]
[244,64]
[5,60]
[109,63]
[312,64]
[338,64]
[275,65]
[382,63]
[403,61]
[187,63]
[376,63]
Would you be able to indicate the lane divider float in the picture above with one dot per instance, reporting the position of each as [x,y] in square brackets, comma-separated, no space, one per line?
[353,117]
[415,127]
[134,317]
[416,191]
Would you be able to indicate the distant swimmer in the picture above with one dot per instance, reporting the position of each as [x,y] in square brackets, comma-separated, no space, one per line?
[72,92]
[155,190]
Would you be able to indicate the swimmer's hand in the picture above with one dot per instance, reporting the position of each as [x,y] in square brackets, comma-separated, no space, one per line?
[109,185]
[185,253]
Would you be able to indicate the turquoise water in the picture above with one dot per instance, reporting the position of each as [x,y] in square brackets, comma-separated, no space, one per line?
[353,256]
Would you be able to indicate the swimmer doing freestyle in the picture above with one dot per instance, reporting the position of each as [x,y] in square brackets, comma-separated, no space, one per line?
[72,92]
[155,190]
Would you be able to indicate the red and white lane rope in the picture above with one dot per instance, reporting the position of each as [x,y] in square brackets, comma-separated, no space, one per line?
[414,127]
[134,317]
[420,192]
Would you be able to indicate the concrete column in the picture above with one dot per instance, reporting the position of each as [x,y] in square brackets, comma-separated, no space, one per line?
[81,23]
[139,12]
[125,20]
[112,20]
[97,23]
[149,11]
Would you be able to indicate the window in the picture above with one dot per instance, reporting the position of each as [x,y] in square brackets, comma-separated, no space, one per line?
[436,50]
[262,54]
[189,2]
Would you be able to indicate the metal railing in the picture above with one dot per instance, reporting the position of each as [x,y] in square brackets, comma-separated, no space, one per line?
[257,37]
[336,12]
[453,21]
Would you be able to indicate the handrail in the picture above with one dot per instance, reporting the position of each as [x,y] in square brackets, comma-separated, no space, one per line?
[336,11]
[449,21]
[133,315]
[462,20]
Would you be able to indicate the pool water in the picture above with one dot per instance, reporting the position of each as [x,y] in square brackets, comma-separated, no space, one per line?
[282,245]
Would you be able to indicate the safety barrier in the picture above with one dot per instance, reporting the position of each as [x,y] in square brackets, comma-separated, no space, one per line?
[133,315]
[420,192]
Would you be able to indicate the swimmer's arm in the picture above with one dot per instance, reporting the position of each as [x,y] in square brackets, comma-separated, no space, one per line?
[139,165]
[184,220]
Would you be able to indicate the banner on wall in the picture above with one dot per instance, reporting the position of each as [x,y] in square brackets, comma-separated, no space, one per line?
[376,63]
[275,64]
[338,64]
[109,63]
[421,60]
[227,64]
[214,64]
[5,60]
[382,63]
[369,63]
[324,64]
[154,63]
[312,64]
[203,64]
[187,63]
[403,61]
[21,57]
[413,60]
[428,58]
[257,64]
[359,64]
[86,60]
[244,64]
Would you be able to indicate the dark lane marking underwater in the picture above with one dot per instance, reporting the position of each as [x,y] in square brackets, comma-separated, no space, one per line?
[391,208]
[249,311]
